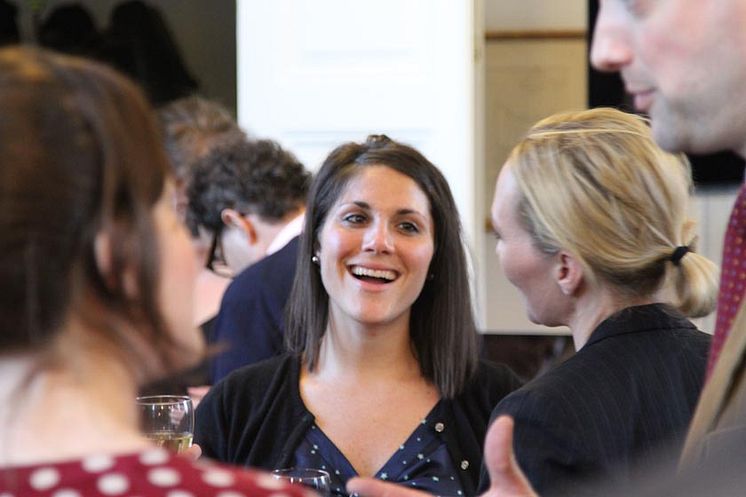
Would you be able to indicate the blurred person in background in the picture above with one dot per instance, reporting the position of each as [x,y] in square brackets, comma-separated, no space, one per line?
[192,127]
[138,42]
[690,80]
[70,29]
[248,198]
[98,276]
[9,33]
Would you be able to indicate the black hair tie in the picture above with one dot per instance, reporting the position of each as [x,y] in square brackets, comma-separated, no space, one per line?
[678,253]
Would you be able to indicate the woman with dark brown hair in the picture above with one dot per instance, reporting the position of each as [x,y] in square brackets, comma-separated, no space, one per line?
[383,377]
[97,279]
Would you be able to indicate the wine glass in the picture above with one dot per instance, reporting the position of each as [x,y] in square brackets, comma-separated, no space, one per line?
[167,420]
[317,479]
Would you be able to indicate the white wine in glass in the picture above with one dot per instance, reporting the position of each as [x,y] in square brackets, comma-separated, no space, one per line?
[175,442]
[167,420]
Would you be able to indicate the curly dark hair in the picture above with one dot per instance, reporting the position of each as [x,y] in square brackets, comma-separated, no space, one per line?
[252,177]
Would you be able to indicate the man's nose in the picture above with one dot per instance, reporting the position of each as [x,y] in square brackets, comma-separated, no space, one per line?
[611,49]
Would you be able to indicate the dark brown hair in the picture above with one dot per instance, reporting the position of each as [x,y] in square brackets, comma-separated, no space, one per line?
[80,155]
[442,329]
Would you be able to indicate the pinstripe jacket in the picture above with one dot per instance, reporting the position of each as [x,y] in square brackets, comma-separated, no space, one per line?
[608,409]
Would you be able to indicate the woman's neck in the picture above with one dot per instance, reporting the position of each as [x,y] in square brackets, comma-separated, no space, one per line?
[78,406]
[357,352]
[594,307]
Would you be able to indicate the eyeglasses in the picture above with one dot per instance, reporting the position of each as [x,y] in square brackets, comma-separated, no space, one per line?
[215,259]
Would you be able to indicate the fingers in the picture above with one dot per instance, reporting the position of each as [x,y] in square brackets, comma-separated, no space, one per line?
[506,477]
[192,453]
[370,487]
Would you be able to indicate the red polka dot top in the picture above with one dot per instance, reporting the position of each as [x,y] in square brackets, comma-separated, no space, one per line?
[152,473]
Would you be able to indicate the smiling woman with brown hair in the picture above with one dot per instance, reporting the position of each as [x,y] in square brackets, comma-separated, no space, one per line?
[383,378]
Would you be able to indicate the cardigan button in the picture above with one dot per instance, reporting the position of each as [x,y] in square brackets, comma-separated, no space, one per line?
[464,464]
[439,427]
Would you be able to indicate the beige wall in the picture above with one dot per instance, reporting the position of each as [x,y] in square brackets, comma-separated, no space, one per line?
[526,79]
[535,14]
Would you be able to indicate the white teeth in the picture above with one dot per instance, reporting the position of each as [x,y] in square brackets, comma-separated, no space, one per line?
[374,273]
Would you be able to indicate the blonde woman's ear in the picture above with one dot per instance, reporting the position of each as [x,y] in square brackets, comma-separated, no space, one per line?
[569,273]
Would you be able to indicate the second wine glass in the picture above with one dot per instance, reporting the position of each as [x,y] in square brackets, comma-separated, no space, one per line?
[317,479]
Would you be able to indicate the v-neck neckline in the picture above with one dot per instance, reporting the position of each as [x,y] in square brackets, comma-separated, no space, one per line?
[415,436]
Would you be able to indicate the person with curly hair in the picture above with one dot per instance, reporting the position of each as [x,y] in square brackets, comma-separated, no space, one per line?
[248,197]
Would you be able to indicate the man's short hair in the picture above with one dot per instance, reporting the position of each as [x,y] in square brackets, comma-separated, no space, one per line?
[252,177]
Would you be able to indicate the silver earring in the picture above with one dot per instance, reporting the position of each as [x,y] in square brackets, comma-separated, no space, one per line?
[315,259]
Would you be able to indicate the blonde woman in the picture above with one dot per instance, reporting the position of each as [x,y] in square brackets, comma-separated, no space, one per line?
[592,226]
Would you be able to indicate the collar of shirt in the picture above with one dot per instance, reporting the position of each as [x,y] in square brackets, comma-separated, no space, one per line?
[287,233]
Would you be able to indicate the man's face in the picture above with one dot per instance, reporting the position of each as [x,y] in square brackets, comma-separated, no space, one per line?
[684,62]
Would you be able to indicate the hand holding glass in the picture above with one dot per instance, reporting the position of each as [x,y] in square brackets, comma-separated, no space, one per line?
[316,479]
[167,420]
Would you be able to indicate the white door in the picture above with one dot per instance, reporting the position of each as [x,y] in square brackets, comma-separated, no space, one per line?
[315,73]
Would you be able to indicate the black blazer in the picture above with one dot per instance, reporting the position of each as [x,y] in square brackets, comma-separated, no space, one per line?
[609,409]
[251,321]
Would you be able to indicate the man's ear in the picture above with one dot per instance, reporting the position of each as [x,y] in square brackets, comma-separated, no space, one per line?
[568,273]
[233,219]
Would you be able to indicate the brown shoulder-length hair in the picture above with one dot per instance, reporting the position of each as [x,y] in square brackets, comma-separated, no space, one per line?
[80,154]
[442,329]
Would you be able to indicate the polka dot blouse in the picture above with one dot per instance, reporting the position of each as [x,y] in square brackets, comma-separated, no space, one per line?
[153,473]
